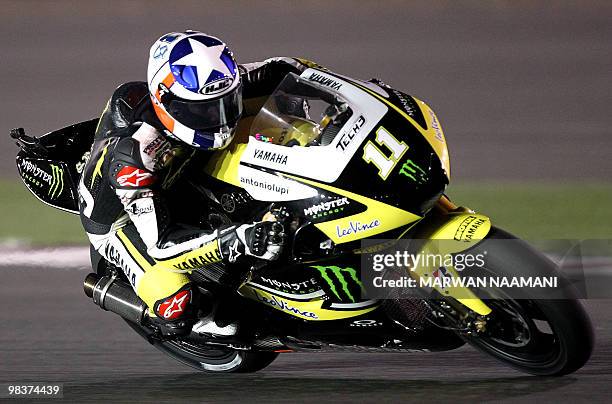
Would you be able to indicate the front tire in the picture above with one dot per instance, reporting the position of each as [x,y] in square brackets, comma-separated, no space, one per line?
[537,336]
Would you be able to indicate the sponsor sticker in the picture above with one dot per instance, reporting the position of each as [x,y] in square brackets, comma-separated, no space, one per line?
[468,227]
[140,210]
[42,179]
[156,144]
[173,307]
[343,282]
[326,81]
[436,126]
[289,286]
[199,261]
[263,138]
[134,177]
[80,166]
[227,203]
[366,323]
[356,227]
[217,86]
[265,185]
[34,170]
[283,305]
[271,157]
[414,172]
[111,254]
[326,208]
[160,51]
[346,138]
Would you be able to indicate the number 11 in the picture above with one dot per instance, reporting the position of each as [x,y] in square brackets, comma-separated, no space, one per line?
[372,154]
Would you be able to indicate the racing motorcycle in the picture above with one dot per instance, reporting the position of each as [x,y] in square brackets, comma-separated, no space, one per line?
[348,161]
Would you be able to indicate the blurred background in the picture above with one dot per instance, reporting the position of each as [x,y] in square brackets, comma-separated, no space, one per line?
[522,88]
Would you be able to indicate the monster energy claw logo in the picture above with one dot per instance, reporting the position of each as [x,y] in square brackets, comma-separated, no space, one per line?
[343,276]
[412,170]
[57,182]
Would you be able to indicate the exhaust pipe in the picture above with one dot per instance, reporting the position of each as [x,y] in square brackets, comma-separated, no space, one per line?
[116,296]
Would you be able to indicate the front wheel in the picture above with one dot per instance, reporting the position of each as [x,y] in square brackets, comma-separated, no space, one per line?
[537,336]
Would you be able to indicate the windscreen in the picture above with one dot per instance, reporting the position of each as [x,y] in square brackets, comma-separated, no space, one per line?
[300,113]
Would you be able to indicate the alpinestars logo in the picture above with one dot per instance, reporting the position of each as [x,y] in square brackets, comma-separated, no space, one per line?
[173,307]
[134,177]
[343,282]
[233,251]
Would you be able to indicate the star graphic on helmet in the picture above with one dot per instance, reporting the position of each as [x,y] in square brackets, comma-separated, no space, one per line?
[206,60]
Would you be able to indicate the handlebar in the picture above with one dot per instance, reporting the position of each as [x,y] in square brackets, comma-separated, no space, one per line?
[29,144]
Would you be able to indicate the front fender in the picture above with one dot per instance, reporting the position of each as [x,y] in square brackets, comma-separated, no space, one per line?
[460,230]
[453,232]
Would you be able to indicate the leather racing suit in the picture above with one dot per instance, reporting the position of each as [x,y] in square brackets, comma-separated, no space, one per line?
[126,216]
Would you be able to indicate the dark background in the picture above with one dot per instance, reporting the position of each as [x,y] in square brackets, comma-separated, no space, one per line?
[522,88]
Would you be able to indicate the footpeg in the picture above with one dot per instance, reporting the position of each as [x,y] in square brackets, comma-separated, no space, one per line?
[207,325]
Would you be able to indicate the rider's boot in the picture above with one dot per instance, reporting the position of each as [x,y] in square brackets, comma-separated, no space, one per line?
[176,314]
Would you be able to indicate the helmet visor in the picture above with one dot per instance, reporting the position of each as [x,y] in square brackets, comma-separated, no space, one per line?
[209,114]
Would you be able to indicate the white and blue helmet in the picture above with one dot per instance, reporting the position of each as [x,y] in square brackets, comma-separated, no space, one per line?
[195,88]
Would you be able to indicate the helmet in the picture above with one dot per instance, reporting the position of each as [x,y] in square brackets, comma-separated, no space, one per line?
[195,87]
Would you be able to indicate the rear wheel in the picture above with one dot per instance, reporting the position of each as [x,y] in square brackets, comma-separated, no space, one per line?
[196,355]
[211,359]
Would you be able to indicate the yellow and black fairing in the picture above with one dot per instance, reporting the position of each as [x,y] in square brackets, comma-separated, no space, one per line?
[397,175]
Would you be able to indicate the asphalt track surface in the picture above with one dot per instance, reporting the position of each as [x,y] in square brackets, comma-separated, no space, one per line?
[51,332]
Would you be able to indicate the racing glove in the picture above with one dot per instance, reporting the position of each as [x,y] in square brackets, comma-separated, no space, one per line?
[263,240]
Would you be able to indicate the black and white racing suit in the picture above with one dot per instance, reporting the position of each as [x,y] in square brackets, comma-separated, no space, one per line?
[125,214]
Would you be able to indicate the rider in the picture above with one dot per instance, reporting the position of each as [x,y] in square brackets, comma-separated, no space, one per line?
[195,97]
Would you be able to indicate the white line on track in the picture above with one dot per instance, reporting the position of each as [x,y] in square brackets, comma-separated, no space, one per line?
[76,257]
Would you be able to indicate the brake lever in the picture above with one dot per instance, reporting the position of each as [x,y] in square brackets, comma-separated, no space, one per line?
[28,144]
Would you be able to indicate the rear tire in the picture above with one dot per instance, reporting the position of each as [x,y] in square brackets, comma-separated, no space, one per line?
[208,359]
[197,356]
